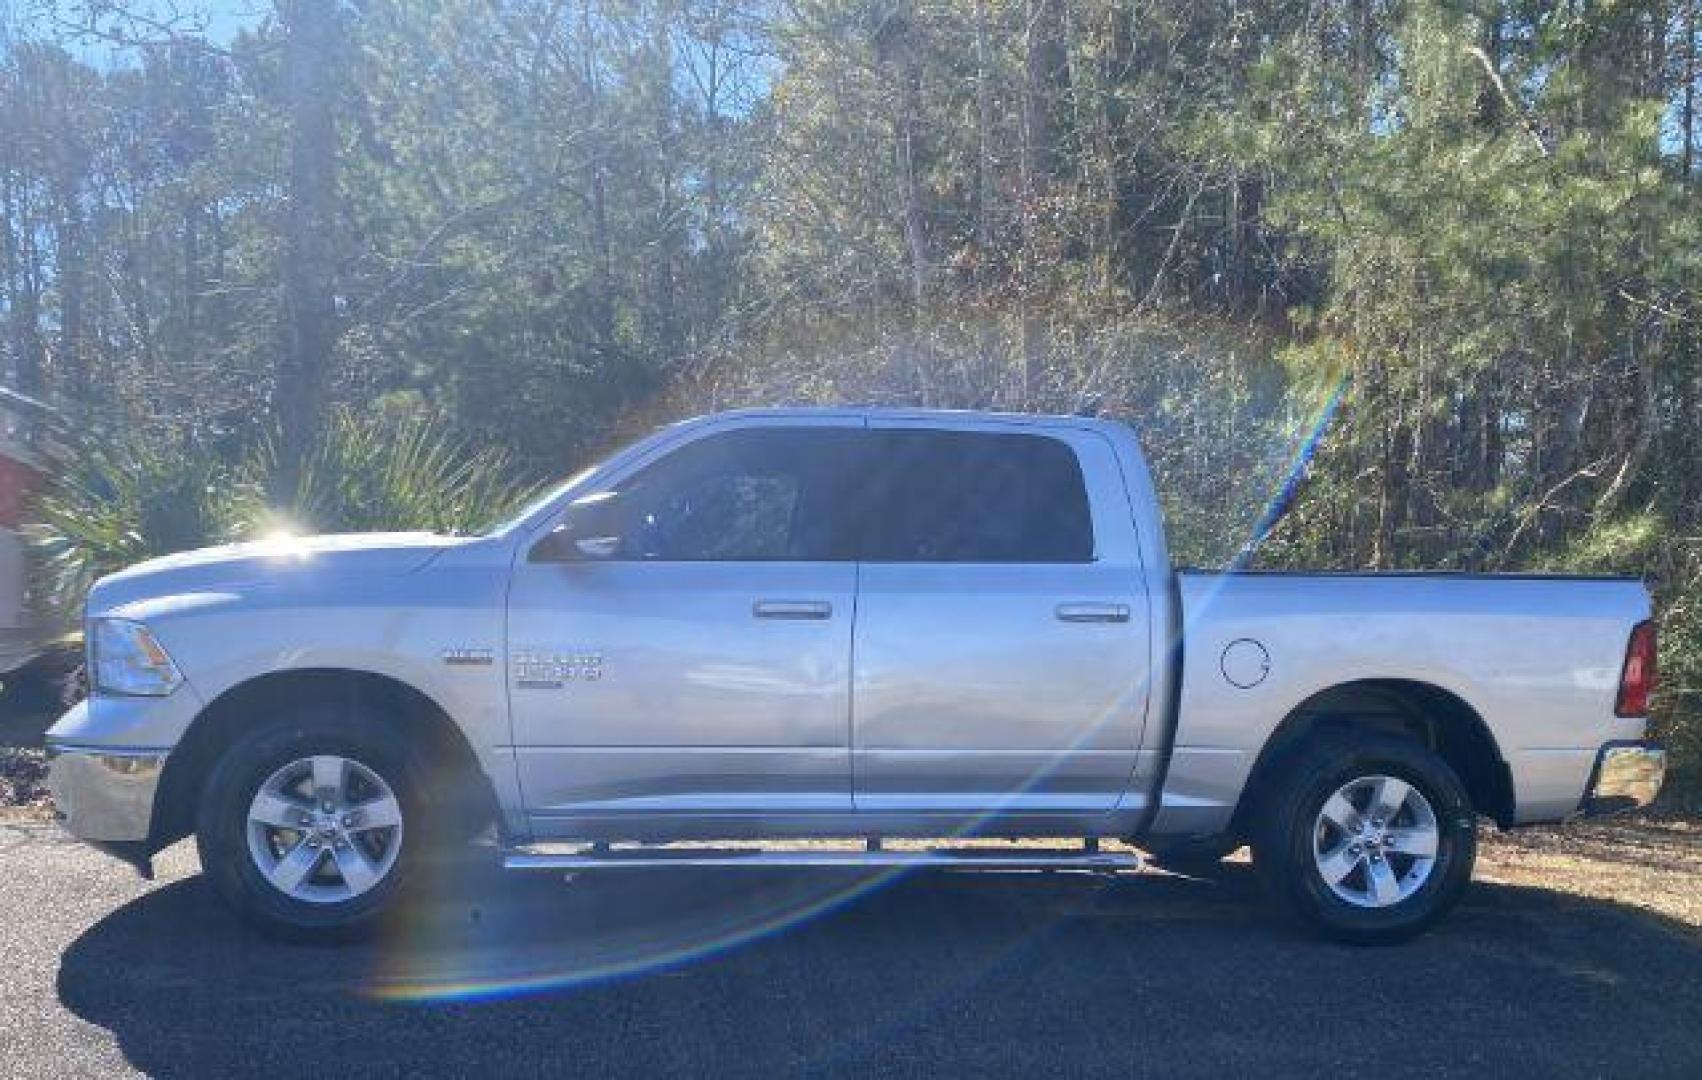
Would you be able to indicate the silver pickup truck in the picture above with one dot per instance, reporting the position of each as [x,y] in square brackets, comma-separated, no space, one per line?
[782,625]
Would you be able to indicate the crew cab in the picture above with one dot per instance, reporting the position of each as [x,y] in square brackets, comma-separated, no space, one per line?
[777,625]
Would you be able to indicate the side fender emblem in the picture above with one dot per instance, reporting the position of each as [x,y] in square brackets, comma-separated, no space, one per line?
[469,657]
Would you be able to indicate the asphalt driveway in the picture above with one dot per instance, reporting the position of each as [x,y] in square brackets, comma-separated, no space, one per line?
[724,973]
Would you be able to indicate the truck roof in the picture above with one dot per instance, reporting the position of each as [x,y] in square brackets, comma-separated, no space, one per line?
[908,413]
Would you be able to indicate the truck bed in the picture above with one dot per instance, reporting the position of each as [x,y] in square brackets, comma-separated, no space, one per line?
[1536,657]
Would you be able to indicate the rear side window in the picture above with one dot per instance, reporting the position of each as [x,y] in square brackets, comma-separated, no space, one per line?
[756,494]
[967,497]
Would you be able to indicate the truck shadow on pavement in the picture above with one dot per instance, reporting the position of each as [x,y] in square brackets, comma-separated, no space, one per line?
[762,972]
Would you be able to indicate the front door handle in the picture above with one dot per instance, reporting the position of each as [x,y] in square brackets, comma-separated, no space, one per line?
[792,609]
[1096,613]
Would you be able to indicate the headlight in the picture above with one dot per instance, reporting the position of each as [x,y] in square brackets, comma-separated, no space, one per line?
[124,658]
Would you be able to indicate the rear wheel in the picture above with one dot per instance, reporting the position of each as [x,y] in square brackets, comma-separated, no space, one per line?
[1366,840]
[309,827]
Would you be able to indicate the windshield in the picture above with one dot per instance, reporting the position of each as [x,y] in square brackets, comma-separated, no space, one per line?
[550,494]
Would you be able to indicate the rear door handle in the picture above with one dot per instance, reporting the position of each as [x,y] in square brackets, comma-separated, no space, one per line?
[1095,613]
[792,609]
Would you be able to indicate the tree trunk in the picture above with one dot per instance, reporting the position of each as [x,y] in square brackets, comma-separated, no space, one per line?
[1114,223]
[663,284]
[1248,203]
[900,47]
[905,138]
[602,248]
[984,166]
[1046,71]
[1689,108]
[310,223]
[71,257]
[1046,76]
[24,303]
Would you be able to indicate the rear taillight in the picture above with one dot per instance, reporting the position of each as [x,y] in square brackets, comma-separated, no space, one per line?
[1637,678]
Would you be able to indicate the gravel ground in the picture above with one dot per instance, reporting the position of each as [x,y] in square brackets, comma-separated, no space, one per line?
[1574,956]
[1651,863]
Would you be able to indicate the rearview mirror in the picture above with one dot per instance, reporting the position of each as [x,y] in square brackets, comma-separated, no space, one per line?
[589,529]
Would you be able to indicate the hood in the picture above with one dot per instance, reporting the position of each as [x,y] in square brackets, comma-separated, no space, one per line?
[232,565]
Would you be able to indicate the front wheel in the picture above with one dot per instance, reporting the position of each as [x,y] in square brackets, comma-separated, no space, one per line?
[309,826]
[1368,839]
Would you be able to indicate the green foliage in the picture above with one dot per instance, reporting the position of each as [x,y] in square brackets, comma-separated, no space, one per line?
[114,505]
[375,472]
[1645,544]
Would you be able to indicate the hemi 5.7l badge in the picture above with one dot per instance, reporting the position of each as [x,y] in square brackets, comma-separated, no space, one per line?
[534,669]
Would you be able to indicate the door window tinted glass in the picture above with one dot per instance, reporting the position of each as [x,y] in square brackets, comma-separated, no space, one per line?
[945,496]
[755,494]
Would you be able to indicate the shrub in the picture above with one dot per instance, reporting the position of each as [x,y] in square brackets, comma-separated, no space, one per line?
[118,503]
[373,472]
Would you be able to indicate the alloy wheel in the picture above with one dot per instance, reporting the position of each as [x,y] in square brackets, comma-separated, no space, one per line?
[324,829]
[1375,841]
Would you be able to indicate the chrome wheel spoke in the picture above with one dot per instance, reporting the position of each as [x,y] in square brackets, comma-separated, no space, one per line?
[328,779]
[359,874]
[278,811]
[1387,798]
[295,867]
[1415,841]
[1340,813]
[1338,864]
[381,813]
[1385,887]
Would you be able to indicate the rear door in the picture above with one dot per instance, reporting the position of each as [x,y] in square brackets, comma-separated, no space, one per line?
[1001,647]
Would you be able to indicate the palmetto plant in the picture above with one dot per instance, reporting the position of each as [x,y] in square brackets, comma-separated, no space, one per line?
[116,503]
[375,472]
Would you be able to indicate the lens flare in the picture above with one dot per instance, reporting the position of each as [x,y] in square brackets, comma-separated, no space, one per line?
[479,936]
[505,938]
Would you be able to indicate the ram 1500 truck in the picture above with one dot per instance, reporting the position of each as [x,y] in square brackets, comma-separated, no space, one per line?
[863,624]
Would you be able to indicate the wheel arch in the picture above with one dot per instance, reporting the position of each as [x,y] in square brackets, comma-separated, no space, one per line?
[460,784]
[1439,718]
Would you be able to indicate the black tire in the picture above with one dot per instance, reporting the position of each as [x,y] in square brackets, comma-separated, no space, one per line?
[223,830]
[1289,825]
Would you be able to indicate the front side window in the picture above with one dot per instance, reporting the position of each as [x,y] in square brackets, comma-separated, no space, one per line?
[757,494]
[951,496]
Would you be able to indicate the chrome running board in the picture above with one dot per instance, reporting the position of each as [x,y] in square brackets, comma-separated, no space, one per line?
[599,857]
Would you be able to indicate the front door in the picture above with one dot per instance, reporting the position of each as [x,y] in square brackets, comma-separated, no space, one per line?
[701,664]
[1002,641]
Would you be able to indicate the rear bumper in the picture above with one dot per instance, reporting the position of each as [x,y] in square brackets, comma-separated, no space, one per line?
[1627,776]
[105,794]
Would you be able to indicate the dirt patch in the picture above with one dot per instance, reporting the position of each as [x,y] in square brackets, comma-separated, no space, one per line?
[1653,862]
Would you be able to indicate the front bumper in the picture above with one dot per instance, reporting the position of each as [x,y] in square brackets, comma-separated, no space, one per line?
[1627,775]
[105,794]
